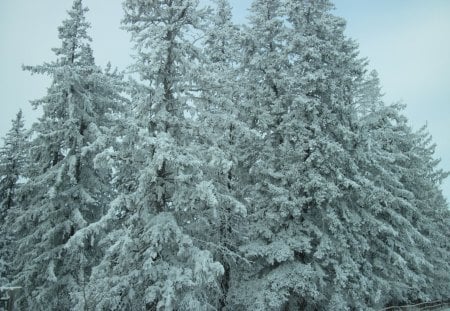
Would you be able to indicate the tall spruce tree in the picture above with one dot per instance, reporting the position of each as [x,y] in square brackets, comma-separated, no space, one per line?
[424,179]
[403,205]
[226,135]
[389,210]
[12,168]
[429,217]
[305,227]
[65,191]
[153,260]
[262,72]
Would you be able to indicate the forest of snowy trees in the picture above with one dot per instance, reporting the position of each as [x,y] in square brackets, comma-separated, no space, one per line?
[236,167]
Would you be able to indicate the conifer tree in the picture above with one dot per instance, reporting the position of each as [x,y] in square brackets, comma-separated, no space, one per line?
[389,211]
[226,135]
[306,238]
[430,216]
[65,192]
[431,202]
[153,259]
[262,70]
[12,168]
[405,199]
[12,163]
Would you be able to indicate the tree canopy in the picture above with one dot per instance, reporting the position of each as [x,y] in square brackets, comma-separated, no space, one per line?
[240,167]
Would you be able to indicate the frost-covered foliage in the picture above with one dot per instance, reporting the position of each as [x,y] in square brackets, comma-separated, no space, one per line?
[12,169]
[397,248]
[328,202]
[158,268]
[162,209]
[226,136]
[65,191]
[253,167]
[12,163]
[304,223]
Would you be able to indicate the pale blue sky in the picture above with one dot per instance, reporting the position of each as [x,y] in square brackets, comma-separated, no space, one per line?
[406,41]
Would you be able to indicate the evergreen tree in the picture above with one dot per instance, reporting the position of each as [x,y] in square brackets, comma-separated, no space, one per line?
[389,211]
[226,135]
[65,191]
[12,168]
[430,216]
[306,237]
[12,163]
[153,259]
[263,67]
[402,206]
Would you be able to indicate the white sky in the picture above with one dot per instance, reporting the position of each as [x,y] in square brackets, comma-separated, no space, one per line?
[406,41]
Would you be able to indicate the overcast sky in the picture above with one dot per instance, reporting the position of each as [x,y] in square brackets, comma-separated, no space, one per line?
[406,41]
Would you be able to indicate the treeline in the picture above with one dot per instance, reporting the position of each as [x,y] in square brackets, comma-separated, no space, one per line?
[250,167]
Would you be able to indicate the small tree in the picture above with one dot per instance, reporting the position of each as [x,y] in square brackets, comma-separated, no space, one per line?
[13,159]
[12,163]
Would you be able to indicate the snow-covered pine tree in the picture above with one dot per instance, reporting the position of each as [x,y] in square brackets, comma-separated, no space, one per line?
[12,164]
[326,69]
[388,210]
[225,137]
[65,191]
[430,216]
[152,258]
[262,67]
[306,237]
[12,168]
[404,207]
